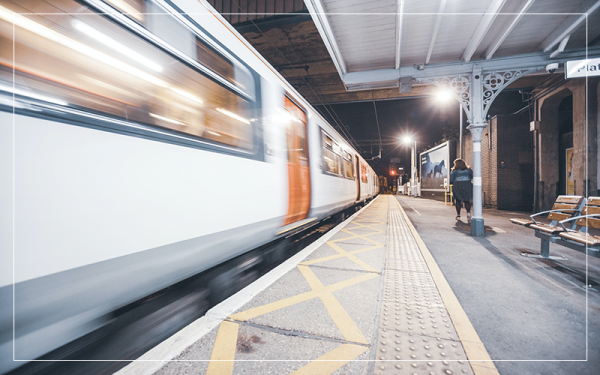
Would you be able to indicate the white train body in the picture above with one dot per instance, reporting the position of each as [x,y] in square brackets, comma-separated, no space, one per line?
[101,210]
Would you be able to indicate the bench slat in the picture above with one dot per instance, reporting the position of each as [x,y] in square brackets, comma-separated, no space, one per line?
[546,228]
[573,199]
[590,210]
[558,216]
[593,201]
[583,238]
[563,206]
[590,222]
[523,222]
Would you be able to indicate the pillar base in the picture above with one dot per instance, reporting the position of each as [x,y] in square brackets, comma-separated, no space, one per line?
[477,227]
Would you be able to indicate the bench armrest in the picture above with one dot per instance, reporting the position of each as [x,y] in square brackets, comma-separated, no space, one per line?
[562,222]
[547,212]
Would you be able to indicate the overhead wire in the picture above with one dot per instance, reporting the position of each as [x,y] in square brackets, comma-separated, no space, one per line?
[347,135]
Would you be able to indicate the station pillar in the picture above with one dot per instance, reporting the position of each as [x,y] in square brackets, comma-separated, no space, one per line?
[477,224]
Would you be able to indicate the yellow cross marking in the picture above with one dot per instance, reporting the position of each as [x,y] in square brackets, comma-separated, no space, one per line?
[340,317]
[223,354]
[278,305]
[333,360]
[350,254]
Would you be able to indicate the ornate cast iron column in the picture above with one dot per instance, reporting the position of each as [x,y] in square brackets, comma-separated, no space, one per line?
[476,92]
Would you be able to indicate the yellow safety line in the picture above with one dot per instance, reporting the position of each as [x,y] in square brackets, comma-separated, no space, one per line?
[278,305]
[332,361]
[223,354]
[479,358]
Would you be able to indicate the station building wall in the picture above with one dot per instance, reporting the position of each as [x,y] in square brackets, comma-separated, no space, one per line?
[553,138]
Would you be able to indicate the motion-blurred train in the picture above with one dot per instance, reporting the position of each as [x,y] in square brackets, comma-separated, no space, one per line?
[142,142]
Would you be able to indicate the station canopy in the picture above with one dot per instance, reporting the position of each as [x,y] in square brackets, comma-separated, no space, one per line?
[384,43]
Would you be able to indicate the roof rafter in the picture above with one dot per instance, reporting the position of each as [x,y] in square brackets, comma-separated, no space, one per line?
[484,25]
[399,18]
[499,39]
[315,7]
[568,27]
[435,30]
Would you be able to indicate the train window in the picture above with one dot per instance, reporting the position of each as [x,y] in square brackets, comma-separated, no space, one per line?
[348,166]
[363,172]
[80,59]
[331,155]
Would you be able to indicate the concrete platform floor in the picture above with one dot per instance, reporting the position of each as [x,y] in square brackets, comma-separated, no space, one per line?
[533,315]
[409,291]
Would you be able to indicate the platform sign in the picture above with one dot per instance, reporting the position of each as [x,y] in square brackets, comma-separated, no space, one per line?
[582,68]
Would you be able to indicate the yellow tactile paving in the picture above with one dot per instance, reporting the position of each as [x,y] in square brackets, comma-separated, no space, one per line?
[480,360]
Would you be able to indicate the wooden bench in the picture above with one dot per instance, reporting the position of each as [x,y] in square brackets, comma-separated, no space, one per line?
[586,236]
[565,207]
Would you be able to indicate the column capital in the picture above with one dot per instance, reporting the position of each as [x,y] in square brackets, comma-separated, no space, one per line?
[477,130]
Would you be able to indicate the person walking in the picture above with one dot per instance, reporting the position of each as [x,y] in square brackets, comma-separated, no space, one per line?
[462,187]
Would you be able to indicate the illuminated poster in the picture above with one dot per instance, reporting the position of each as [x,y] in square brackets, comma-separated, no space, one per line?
[570,180]
[435,167]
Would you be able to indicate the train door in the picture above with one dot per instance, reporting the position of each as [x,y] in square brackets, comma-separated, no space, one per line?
[298,169]
[357,176]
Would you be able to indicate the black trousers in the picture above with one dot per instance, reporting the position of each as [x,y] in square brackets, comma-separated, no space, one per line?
[459,206]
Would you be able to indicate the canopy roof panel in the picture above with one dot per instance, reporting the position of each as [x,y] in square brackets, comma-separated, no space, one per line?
[377,37]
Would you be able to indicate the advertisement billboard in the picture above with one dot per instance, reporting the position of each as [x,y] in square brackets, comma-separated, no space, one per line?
[435,167]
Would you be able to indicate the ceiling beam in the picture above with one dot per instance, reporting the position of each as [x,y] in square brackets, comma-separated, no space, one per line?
[568,27]
[317,12]
[435,30]
[484,25]
[399,19]
[500,37]
[522,62]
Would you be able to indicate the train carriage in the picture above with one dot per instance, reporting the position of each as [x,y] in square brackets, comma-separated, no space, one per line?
[119,119]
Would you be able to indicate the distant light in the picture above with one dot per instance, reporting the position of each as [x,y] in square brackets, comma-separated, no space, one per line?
[407,139]
[233,115]
[167,119]
[113,44]
[444,95]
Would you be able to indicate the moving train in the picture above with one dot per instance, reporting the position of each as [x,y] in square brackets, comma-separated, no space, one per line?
[142,142]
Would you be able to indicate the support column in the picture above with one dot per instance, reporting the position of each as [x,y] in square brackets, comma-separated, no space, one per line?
[477,224]
[476,92]
[476,128]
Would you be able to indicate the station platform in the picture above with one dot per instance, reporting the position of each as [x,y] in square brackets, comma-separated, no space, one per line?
[401,288]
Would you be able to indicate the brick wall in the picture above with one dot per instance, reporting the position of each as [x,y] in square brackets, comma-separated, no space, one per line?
[515,180]
[505,138]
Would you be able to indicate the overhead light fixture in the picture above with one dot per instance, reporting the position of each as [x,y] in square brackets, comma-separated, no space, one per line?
[443,95]
[115,45]
[50,34]
[167,119]
[33,95]
[233,115]
[186,94]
